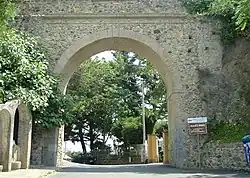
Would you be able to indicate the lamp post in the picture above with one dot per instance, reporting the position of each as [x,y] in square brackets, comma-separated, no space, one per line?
[143,158]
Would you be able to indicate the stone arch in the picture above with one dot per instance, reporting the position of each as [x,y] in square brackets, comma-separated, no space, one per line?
[118,39]
[21,152]
[5,137]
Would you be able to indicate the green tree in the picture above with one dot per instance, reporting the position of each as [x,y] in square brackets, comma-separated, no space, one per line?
[25,74]
[24,70]
[128,130]
[133,71]
[160,127]
[108,97]
[235,15]
[93,89]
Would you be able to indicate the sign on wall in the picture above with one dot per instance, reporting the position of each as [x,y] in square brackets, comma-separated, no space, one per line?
[197,125]
[196,120]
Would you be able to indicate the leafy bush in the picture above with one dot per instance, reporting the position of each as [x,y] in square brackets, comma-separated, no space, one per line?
[25,75]
[235,15]
[228,132]
[79,157]
[24,71]
[160,127]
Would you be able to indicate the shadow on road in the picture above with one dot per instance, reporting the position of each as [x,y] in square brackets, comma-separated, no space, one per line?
[152,169]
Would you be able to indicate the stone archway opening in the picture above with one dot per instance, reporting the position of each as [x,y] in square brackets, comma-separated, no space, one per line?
[148,48]
[130,65]
[112,43]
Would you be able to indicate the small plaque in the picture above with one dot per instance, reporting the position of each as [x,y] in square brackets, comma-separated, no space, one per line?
[197,129]
[197,125]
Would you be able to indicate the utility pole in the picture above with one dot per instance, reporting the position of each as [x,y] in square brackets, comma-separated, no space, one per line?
[143,159]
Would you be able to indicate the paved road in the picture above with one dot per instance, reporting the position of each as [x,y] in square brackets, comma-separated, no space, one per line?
[136,171]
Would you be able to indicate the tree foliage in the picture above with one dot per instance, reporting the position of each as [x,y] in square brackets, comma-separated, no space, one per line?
[25,74]
[160,127]
[93,90]
[235,15]
[108,100]
[24,70]
[133,71]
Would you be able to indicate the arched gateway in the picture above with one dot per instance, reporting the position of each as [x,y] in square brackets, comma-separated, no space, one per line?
[118,39]
[176,43]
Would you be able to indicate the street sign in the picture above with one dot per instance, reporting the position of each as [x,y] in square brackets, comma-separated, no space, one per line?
[197,120]
[197,125]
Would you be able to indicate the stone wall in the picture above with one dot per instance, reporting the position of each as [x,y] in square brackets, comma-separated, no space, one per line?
[37,146]
[176,43]
[44,147]
[216,155]
[102,6]
[223,89]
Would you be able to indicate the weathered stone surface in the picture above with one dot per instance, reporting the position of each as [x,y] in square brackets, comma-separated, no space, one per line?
[37,147]
[231,156]
[16,165]
[177,44]
[106,6]
[223,90]
[47,146]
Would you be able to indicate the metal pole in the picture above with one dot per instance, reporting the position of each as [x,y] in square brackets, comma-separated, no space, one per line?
[143,125]
[199,151]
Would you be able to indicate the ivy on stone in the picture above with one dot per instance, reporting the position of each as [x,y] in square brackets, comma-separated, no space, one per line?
[7,13]
[234,14]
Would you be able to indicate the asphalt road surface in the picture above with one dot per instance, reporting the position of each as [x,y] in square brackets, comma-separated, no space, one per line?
[135,171]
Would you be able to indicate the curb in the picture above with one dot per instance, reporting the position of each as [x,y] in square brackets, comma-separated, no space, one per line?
[50,172]
[209,170]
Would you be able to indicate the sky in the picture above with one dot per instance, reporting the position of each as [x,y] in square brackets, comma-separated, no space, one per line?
[69,146]
[106,54]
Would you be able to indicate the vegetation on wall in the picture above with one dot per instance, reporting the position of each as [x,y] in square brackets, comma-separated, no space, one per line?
[7,13]
[227,132]
[235,18]
[223,126]
[234,15]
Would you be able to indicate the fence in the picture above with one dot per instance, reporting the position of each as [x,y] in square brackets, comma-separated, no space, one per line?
[104,158]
